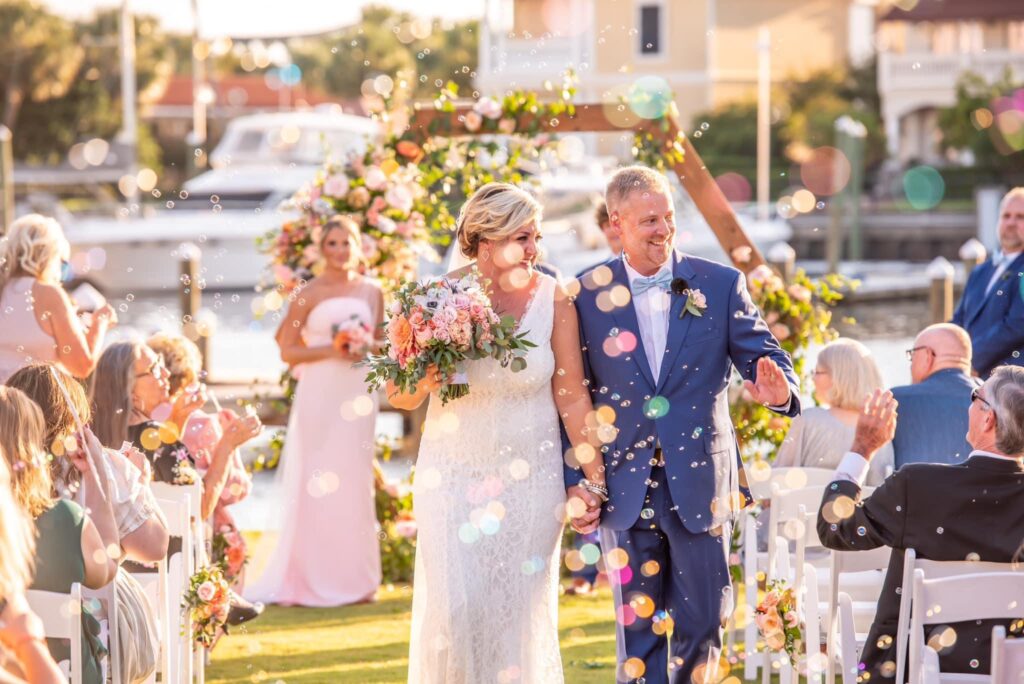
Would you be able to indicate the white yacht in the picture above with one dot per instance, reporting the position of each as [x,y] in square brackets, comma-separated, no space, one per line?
[260,162]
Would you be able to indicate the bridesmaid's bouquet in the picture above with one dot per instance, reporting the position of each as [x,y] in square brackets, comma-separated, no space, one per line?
[444,323]
[353,336]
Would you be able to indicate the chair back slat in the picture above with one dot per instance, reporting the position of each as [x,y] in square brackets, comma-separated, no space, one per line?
[61,615]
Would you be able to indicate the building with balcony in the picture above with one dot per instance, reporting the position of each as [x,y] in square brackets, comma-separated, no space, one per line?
[707,50]
[924,50]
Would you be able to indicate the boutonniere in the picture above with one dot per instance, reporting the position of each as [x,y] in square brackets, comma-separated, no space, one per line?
[696,303]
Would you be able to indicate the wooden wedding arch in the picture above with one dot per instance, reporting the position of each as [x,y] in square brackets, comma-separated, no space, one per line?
[591,118]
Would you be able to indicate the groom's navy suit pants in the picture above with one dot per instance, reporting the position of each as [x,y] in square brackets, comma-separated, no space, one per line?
[672,573]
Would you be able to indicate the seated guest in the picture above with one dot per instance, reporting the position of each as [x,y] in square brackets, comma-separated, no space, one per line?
[23,653]
[140,530]
[992,306]
[38,319]
[69,549]
[845,375]
[131,382]
[201,432]
[944,512]
[933,410]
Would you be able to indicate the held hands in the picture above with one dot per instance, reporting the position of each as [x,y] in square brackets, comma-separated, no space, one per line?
[876,424]
[584,509]
[771,388]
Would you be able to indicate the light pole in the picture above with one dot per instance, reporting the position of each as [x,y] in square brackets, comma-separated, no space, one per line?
[129,134]
[764,124]
[200,96]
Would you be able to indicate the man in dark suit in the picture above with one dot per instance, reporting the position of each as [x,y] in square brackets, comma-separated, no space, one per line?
[974,510]
[932,427]
[991,309]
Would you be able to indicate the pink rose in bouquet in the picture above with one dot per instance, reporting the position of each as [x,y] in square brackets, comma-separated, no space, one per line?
[206,591]
[444,323]
[777,619]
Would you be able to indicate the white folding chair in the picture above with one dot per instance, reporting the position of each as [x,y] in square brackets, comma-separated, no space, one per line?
[154,585]
[853,574]
[108,600]
[981,596]
[1007,657]
[933,570]
[763,483]
[179,571]
[61,615]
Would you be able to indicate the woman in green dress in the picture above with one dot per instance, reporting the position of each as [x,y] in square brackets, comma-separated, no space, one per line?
[69,548]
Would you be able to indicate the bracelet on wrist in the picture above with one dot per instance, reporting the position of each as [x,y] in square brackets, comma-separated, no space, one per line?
[594,488]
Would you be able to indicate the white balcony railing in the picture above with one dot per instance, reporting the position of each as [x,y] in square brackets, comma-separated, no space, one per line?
[539,56]
[926,71]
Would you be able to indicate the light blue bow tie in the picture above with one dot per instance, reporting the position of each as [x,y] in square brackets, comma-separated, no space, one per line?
[662,279]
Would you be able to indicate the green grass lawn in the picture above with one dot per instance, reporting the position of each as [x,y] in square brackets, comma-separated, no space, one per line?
[370,643]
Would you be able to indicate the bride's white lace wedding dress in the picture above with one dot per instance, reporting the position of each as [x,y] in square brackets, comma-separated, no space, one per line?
[489,502]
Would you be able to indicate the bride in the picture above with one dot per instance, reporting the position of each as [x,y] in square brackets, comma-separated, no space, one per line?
[489,495]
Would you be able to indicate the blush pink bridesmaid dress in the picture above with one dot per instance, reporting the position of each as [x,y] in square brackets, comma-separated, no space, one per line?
[327,553]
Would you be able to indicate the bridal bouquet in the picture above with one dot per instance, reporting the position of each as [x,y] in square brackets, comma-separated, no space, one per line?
[444,323]
[777,619]
[353,336]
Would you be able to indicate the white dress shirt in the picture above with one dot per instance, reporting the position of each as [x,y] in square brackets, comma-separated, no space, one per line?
[1004,262]
[854,467]
[652,311]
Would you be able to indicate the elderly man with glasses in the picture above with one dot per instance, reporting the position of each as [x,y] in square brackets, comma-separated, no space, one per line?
[933,409]
[973,510]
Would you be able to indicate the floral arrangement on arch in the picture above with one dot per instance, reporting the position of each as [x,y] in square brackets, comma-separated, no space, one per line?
[206,602]
[380,191]
[404,191]
[799,314]
[778,621]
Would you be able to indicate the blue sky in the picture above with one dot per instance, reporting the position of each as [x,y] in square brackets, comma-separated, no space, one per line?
[245,18]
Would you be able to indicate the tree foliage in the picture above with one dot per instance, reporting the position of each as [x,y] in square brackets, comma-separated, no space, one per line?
[803,118]
[85,101]
[339,63]
[38,57]
[986,121]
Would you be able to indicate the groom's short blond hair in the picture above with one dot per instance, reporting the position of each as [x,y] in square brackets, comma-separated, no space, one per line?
[633,179]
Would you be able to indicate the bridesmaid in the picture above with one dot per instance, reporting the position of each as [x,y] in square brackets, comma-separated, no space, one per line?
[327,552]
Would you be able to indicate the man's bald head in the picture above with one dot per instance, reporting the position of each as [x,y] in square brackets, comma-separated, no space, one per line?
[940,346]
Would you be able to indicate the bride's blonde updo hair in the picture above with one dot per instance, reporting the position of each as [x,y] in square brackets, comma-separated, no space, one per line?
[494,212]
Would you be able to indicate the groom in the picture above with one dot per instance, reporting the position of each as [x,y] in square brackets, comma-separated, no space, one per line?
[661,332]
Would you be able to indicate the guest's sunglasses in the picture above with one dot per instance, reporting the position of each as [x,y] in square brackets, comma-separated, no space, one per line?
[976,396]
[910,352]
[156,370]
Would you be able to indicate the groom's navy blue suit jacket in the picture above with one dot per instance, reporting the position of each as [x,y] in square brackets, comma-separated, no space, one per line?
[686,409]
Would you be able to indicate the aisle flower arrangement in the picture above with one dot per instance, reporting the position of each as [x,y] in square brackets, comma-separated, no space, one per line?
[778,621]
[228,550]
[398,529]
[206,603]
